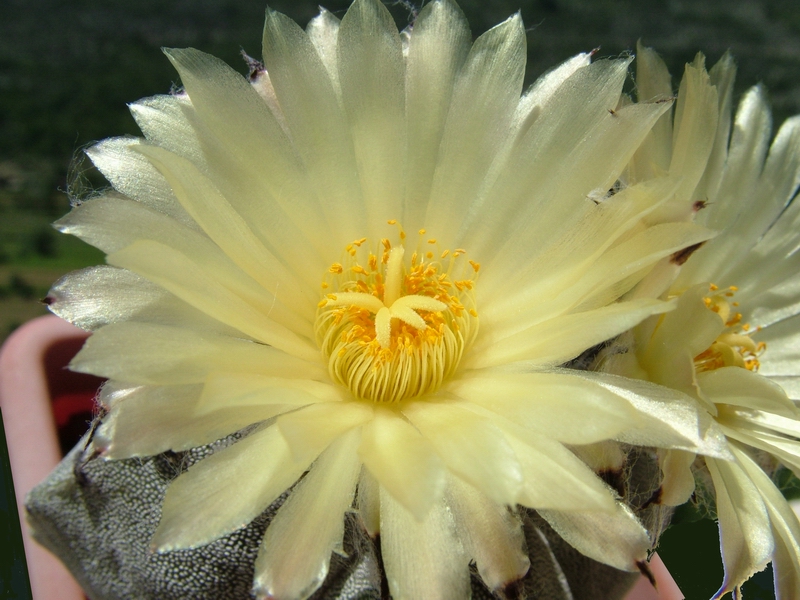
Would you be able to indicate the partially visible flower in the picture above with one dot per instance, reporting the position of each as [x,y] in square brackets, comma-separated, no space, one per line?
[378,250]
[731,342]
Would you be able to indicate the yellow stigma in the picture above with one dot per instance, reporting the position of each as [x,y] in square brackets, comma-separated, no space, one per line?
[394,327]
[733,347]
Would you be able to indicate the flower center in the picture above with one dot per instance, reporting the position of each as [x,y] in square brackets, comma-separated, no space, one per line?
[733,347]
[394,328]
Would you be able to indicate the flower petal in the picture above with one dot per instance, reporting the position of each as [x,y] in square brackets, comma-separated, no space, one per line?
[575,122]
[559,267]
[744,526]
[323,31]
[695,124]
[403,462]
[653,83]
[677,484]
[295,553]
[317,123]
[543,88]
[162,355]
[614,538]
[740,387]
[422,559]
[234,391]
[785,528]
[97,296]
[749,430]
[437,49]
[471,447]
[553,477]
[615,273]
[164,122]
[228,229]
[221,494]
[562,338]
[309,431]
[491,534]
[369,499]
[193,284]
[149,420]
[241,137]
[669,351]
[372,77]
[486,91]
[131,174]
[562,407]
[113,223]
[667,418]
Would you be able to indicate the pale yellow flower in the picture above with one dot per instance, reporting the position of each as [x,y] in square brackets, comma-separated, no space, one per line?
[379,250]
[732,340]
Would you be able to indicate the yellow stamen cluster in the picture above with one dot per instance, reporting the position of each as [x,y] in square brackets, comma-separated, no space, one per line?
[395,327]
[733,347]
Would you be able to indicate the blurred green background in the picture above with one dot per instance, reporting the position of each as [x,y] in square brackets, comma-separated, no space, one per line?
[67,70]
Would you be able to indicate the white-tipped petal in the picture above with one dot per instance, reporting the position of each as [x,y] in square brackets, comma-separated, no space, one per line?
[744,526]
[486,91]
[323,31]
[97,296]
[615,538]
[677,484]
[423,559]
[543,88]
[369,501]
[163,122]
[148,420]
[437,50]
[491,534]
[132,175]
[295,553]
[372,78]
